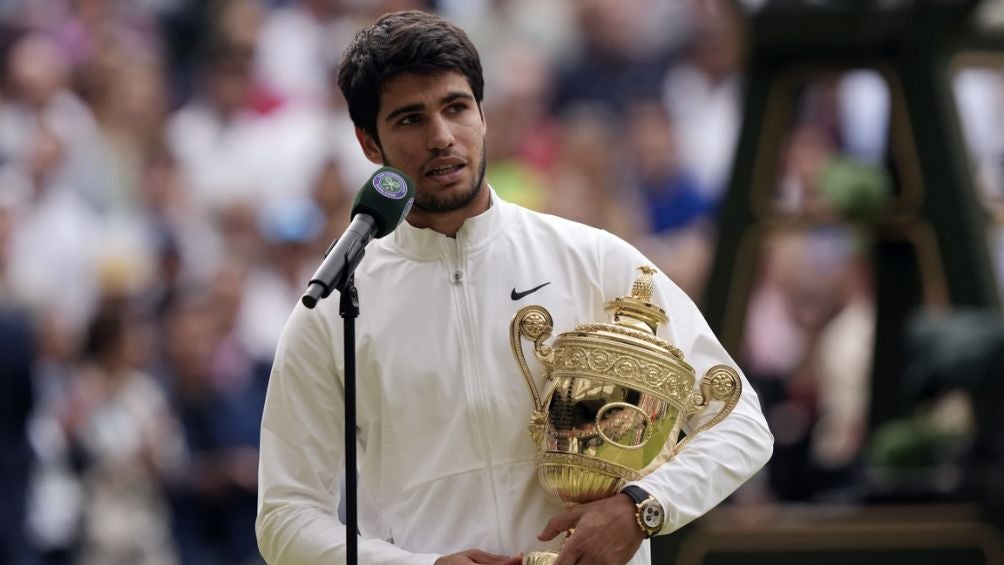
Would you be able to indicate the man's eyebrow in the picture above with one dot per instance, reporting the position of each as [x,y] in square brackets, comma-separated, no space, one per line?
[456,95]
[418,107]
[404,110]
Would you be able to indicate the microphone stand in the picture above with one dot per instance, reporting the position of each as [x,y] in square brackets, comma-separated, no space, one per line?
[348,309]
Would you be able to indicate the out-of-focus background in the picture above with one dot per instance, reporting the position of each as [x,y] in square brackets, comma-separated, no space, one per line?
[824,178]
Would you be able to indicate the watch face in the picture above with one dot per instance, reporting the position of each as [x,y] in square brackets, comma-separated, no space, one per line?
[651,515]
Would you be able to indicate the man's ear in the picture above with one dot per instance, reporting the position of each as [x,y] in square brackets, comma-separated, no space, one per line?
[370,147]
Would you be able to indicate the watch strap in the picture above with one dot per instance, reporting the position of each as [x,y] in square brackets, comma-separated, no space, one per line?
[636,493]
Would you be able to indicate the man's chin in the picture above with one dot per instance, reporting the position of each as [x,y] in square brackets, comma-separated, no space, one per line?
[440,199]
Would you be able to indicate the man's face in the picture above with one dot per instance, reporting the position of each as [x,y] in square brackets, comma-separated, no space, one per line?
[431,128]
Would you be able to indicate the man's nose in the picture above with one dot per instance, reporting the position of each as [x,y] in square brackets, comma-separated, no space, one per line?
[440,134]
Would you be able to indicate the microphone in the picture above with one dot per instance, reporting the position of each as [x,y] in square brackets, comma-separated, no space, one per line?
[380,206]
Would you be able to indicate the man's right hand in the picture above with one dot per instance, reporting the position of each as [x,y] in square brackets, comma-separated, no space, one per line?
[481,557]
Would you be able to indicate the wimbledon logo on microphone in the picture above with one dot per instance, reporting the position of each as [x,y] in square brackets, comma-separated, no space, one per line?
[391,185]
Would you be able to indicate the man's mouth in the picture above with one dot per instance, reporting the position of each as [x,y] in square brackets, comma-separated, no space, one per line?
[443,171]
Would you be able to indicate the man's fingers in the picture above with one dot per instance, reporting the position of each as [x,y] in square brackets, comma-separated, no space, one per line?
[561,523]
[570,552]
[478,556]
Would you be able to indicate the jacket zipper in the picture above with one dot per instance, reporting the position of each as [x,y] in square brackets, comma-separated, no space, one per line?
[471,362]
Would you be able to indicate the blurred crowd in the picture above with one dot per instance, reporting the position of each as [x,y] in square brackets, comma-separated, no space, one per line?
[171,172]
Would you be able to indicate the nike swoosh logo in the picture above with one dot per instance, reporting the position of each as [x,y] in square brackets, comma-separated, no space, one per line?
[518,295]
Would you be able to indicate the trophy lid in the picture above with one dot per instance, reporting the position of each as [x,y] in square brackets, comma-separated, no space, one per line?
[635,318]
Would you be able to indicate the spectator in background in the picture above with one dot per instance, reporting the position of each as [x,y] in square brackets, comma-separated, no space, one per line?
[334,200]
[40,97]
[36,224]
[127,442]
[217,396]
[299,42]
[807,152]
[290,234]
[616,62]
[588,183]
[702,93]
[241,145]
[799,293]
[90,29]
[843,362]
[679,215]
[522,145]
[218,137]
[129,97]
[17,351]
[186,244]
[674,197]
[190,334]
[53,241]
[548,28]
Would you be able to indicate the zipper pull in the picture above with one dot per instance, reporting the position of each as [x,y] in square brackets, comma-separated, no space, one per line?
[458,273]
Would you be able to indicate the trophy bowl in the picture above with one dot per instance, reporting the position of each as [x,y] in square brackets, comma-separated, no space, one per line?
[614,400]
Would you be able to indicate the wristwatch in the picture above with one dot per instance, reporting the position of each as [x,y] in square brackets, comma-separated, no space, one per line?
[649,513]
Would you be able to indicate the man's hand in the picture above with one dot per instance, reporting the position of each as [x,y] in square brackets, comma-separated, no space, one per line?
[606,532]
[478,556]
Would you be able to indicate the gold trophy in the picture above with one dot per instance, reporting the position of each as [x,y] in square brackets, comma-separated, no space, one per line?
[615,396]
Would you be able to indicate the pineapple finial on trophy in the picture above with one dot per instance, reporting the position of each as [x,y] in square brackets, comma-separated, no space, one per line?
[637,311]
[642,287]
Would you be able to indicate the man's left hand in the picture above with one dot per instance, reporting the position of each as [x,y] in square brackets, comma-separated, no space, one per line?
[606,532]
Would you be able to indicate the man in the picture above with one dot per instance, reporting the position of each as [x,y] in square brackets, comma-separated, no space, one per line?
[446,467]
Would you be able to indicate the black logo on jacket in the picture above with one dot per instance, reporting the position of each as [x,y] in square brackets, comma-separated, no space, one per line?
[519,295]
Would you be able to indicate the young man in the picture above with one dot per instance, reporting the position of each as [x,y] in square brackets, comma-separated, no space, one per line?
[446,467]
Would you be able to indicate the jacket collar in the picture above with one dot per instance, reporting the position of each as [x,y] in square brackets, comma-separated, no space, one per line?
[426,245]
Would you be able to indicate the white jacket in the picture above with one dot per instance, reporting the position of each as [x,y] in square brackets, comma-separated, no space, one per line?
[445,459]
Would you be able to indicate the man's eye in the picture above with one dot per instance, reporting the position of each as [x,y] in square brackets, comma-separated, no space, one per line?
[457,108]
[408,120]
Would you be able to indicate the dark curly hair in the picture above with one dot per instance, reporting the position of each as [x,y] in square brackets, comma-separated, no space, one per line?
[401,43]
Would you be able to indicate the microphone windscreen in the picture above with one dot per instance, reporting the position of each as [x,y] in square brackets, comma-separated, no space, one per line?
[387,196]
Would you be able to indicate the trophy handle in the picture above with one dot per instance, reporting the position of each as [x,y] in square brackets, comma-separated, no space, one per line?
[720,382]
[534,323]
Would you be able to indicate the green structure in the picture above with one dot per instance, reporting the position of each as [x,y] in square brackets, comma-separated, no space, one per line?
[931,241]
[929,248]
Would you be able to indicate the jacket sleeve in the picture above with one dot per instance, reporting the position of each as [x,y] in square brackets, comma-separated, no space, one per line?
[301,455]
[718,460]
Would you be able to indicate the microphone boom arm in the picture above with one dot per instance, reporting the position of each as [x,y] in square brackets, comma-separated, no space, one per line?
[341,260]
